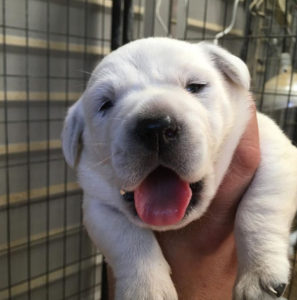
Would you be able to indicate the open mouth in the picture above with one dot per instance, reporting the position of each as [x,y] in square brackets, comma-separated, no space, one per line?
[163,199]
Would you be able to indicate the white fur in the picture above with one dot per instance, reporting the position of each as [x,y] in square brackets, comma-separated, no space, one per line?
[149,77]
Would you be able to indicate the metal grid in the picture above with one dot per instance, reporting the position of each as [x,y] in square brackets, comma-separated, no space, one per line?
[42,277]
[44,251]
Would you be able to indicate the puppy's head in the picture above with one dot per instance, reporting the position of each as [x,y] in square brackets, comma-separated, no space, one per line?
[150,133]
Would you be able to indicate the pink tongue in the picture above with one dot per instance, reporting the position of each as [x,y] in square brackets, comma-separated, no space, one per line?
[162,198]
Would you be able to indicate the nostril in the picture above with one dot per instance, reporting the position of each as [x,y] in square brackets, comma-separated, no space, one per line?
[157,132]
[170,132]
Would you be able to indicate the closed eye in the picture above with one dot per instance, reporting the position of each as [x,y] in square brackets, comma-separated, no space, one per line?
[195,88]
[106,105]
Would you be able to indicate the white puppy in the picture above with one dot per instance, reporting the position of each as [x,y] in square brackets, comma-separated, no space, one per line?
[158,124]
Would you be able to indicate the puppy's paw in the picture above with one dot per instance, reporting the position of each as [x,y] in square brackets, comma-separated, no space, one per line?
[261,284]
[146,288]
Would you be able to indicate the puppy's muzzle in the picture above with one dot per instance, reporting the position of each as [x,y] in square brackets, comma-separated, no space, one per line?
[157,134]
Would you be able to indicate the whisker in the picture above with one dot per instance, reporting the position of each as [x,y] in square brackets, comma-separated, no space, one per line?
[102,161]
[92,74]
[83,71]
[208,214]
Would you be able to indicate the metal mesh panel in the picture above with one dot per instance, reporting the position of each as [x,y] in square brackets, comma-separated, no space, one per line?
[48,49]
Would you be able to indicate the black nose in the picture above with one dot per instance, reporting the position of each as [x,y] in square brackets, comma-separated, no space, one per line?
[157,133]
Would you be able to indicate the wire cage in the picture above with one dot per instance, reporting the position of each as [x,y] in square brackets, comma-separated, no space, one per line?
[48,49]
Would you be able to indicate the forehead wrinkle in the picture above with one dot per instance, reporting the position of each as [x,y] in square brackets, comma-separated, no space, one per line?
[148,63]
[137,61]
[155,71]
[101,90]
[129,75]
[140,67]
[118,87]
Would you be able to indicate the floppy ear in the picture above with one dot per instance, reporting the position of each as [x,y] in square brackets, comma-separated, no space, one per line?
[229,64]
[72,132]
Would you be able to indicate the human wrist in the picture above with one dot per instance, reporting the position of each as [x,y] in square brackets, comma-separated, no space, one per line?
[201,274]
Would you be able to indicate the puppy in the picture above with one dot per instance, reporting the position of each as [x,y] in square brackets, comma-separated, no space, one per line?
[158,124]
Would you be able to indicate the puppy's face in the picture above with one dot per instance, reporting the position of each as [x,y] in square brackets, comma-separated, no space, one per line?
[153,123]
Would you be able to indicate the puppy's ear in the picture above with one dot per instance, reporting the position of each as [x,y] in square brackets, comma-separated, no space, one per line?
[229,64]
[72,132]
